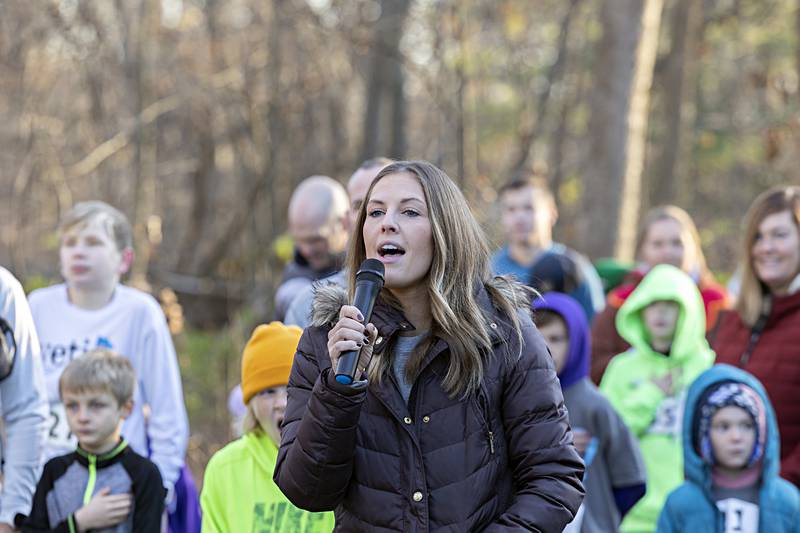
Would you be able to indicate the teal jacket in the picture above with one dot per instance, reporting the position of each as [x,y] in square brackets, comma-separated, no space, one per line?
[691,507]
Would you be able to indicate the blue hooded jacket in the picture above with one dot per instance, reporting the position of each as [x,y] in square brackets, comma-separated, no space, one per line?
[691,506]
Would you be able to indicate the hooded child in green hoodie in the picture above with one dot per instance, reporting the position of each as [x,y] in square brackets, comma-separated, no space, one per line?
[238,491]
[664,322]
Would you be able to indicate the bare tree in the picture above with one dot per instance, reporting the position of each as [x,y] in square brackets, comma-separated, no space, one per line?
[385,112]
[142,78]
[618,125]
[533,129]
[678,112]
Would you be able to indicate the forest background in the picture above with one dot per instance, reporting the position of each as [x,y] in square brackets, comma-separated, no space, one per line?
[198,117]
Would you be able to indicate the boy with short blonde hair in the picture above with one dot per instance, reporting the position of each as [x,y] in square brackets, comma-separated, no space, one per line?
[103,484]
[103,371]
[92,309]
[114,222]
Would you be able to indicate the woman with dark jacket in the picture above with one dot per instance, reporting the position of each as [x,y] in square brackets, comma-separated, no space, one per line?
[458,423]
[762,335]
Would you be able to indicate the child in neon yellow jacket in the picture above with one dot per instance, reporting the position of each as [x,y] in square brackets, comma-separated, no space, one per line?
[238,491]
[664,322]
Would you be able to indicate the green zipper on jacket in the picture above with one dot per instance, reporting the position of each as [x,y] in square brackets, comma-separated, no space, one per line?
[93,459]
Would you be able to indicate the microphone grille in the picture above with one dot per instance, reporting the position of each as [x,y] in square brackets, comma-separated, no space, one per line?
[371,267]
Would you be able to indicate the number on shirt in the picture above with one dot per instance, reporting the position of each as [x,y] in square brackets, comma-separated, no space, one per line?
[739,516]
[59,436]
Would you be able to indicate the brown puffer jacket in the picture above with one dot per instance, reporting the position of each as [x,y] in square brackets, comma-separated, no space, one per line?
[501,459]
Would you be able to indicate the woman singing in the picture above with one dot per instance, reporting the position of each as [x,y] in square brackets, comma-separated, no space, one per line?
[458,423]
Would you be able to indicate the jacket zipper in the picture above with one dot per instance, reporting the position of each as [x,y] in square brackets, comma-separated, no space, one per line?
[483,409]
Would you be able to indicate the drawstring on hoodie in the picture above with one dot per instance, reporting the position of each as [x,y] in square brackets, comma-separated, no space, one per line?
[758,329]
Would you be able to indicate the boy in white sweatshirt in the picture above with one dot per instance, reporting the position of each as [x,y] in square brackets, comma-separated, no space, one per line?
[93,310]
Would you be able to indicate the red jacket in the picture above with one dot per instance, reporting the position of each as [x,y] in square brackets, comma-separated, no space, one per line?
[775,361]
[606,342]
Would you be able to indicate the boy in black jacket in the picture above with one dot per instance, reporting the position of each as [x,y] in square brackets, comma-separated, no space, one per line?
[103,485]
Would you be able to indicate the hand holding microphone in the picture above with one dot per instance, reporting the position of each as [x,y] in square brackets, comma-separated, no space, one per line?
[350,342]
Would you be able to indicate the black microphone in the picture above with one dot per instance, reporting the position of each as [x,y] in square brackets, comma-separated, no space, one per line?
[369,282]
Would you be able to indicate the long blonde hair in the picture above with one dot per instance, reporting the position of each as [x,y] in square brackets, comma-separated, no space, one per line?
[693,250]
[459,268]
[751,300]
[250,423]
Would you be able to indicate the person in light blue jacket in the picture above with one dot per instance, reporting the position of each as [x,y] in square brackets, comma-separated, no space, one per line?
[731,461]
[528,216]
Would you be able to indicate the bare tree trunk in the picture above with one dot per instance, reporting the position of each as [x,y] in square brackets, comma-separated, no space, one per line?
[203,136]
[276,123]
[146,142]
[618,125]
[200,181]
[270,145]
[797,45]
[399,144]
[556,156]
[464,107]
[670,170]
[21,189]
[461,85]
[533,131]
[384,118]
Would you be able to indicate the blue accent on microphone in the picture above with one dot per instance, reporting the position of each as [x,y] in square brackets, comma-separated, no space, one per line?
[344,380]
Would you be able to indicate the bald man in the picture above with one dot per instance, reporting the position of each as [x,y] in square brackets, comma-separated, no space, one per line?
[299,312]
[319,224]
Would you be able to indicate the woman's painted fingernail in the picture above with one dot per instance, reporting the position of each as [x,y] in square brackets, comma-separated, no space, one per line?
[366,339]
[360,316]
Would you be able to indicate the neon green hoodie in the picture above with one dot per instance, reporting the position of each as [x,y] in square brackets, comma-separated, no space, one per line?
[651,414]
[240,496]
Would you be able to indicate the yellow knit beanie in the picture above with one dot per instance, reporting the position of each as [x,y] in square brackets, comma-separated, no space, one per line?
[267,358]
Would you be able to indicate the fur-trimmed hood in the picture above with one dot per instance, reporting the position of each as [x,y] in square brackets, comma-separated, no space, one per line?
[330,297]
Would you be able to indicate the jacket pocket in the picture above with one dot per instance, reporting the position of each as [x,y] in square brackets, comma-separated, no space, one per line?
[482,409]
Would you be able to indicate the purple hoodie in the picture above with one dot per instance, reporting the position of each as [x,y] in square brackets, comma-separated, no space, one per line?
[620,477]
[580,347]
